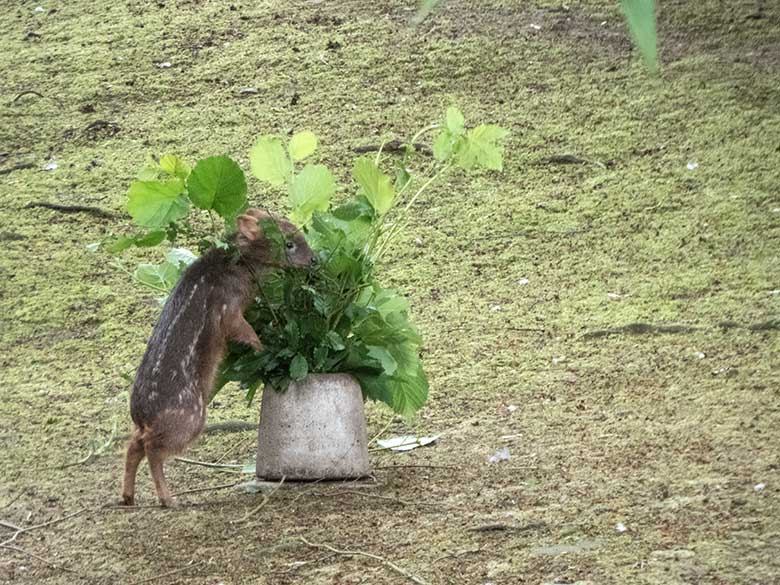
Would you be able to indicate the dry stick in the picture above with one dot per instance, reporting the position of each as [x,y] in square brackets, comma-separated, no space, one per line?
[206,464]
[207,489]
[33,555]
[17,167]
[387,426]
[40,95]
[12,500]
[11,526]
[44,524]
[191,565]
[266,497]
[353,553]
[71,208]
[237,445]
[419,465]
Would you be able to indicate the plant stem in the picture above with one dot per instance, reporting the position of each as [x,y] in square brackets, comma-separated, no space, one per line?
[402,219]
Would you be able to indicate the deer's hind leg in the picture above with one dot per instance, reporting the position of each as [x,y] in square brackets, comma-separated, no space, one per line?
[135,454]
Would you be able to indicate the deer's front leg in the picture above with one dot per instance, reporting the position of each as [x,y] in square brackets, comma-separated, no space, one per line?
[238,329]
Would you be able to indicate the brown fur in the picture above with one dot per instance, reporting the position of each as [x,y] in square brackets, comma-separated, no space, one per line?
[177,373]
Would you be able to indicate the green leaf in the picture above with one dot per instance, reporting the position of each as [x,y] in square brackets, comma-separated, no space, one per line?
[455,120]
[311,191]
[384,357]
[180,257]
[269,161]
[301,145]
[375,184]
[402,177]
[481,149]
[155,204]
[150,239]
[175,166]
[443,146]
[335,341]
[218,183]
[409,393]
[299,368]
[640,16]
[160,277]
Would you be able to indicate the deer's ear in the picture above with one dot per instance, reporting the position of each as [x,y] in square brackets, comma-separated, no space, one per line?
[248,227]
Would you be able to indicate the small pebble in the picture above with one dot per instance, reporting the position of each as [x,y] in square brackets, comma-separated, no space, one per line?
[759,486]
[692,166]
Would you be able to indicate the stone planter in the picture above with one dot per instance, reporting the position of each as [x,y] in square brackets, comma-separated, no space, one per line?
[314,430]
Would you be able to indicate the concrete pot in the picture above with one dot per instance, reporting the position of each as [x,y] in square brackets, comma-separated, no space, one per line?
[314,430]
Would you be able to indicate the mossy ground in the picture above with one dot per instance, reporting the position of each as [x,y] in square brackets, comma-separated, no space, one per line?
[667,434]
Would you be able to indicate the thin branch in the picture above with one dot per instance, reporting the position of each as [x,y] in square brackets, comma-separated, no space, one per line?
[418,465]
[42,525]
[35,93]
[12,500]
[223,466]
[360,553]
[207,489]
[17,167]
[266,497]
[37,557]
[96,211]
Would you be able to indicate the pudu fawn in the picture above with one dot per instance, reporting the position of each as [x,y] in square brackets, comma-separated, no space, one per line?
[174,382]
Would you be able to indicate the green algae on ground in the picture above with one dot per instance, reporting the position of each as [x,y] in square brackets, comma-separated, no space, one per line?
[670,435]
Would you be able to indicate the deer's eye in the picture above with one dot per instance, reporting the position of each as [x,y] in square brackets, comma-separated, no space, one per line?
[290,245]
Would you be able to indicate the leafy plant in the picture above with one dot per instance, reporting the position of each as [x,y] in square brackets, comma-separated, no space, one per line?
[337,318]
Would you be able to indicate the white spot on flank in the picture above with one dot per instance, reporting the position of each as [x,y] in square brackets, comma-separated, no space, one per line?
[152,395]
[171,326]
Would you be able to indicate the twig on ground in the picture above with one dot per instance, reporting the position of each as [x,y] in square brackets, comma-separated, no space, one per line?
[22,530]
[236,446]
[500,527]
[35,93]
[394,146]
[17,167]
[360,553]
[380,433]
[266,497]
[459,554]
[12,500]
[37,557]
[223,466]
[190,565]
[212,488]
[9,525]
[640,329]
[96,211]
[421,465]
